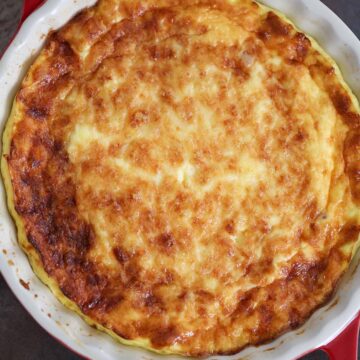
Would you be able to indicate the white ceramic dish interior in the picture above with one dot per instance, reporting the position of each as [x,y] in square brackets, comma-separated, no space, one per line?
[309,15]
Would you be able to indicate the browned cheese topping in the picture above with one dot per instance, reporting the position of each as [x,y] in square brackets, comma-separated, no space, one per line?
[187,171]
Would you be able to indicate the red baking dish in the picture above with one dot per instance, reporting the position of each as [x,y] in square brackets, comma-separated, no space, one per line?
[344,346]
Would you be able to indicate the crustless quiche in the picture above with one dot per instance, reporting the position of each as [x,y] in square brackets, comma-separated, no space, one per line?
[185,175]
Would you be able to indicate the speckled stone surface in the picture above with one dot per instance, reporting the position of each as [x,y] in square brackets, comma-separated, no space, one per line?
[10,11]
[21,338]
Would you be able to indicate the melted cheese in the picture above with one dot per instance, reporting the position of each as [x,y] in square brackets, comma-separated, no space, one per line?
[188,176]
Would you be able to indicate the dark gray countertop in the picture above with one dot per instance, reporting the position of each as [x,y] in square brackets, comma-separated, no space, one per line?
[21,338]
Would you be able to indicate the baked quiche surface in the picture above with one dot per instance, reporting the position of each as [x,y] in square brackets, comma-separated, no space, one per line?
[185,174]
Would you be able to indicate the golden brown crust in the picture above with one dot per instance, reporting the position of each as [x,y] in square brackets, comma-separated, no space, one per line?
[147,222]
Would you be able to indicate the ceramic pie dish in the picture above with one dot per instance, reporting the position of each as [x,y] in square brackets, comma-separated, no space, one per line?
[312,11]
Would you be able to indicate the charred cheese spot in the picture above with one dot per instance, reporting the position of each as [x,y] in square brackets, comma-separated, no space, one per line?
[185,173]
